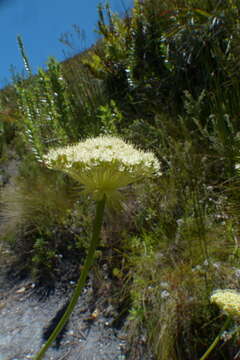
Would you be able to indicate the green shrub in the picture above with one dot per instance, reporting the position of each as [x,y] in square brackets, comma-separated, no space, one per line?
[170,297]
[45,205]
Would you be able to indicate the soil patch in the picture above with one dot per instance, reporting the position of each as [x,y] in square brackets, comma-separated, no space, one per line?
[88,335]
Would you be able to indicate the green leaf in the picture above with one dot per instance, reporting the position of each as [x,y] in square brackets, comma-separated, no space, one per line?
[202,12]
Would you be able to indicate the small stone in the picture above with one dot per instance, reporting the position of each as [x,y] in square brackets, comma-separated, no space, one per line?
[2,305]
[95,314]
[165,294]
[237,273]
[21,290]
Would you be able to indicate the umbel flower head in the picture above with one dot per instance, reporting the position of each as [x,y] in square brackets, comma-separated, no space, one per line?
[228,300]
[104,165]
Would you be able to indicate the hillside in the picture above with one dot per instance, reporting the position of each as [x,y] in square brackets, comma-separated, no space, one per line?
[165,79]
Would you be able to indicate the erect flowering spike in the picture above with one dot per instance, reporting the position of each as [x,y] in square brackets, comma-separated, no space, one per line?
[104,165]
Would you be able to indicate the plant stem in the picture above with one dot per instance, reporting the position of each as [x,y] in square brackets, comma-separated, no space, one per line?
[82,279]
[217,339]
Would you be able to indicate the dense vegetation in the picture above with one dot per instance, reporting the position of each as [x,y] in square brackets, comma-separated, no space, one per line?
[165,77]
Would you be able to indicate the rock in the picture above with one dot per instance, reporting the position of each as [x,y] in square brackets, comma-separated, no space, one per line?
[21,290]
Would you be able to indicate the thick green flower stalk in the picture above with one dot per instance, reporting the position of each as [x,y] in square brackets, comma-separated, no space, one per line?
[103,165]
[229,302]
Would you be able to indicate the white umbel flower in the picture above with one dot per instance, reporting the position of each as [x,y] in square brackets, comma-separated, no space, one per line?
[228,300]
[104,165]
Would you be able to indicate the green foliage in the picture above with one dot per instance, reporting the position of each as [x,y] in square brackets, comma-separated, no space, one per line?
[43,260]
[57,106]
[38,200]
[110,117]
[186,235]
[44,107]
[40,204]
[164,48]
[2,136]
[170,294]
[87,94]
[7,120]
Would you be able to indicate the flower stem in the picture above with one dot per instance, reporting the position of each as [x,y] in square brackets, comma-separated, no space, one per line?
[82,279]
[217,339]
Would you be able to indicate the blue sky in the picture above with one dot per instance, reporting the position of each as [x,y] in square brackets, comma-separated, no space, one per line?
[41,23]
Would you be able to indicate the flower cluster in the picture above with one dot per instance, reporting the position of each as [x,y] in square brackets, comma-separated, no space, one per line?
[228,300]
[103,164]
